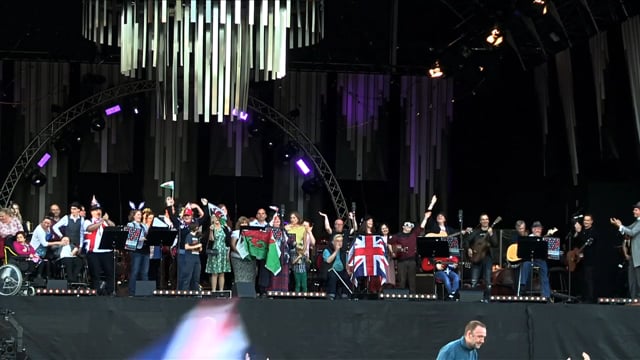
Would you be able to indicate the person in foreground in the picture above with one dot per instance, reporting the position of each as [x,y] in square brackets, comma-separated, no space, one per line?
[466,347]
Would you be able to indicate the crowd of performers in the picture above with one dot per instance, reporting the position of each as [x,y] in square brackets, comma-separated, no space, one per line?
[274,255]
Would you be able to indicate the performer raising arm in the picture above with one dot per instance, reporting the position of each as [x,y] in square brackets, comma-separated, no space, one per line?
[404,249]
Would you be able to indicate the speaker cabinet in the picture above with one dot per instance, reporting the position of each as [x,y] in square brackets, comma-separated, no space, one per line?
[471,295]
[424,283]
[57,284]
[145,288]
[244,290]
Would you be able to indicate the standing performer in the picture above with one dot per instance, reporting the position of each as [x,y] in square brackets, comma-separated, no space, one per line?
[632,231]
[478,244]
[404,250]
[585,238]
[100,260]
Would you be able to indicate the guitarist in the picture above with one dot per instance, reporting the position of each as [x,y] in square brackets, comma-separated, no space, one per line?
[481,267]
[584,232]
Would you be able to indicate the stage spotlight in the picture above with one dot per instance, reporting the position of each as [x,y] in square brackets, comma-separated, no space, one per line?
[256,128]
[303,167]
[541,4]
[98,124]
[243,116]
[495,38]
[313,185]
[293,113]
[44,160]
[436,72]
[37,178]
[112,110]
[62,145]
[289,151]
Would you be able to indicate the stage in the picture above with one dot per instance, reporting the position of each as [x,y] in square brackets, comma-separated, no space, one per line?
[89,327]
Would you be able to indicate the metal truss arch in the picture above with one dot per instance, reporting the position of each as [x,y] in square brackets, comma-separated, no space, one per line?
[57,125]
[303,141]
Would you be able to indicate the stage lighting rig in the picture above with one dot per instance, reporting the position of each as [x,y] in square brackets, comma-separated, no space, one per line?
[436,71]
[495,38]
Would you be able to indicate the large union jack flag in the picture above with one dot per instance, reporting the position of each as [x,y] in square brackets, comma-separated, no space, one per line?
[367,257]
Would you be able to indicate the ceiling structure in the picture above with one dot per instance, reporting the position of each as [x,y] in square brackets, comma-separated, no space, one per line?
[359,34]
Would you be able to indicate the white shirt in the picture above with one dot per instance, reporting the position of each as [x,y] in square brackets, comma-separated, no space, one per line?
[39,237]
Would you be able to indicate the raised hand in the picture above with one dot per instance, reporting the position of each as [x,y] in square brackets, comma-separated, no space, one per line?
[434,199]
[322,214]
[615,222]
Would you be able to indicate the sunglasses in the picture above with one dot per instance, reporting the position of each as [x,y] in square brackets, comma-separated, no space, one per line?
[408,224]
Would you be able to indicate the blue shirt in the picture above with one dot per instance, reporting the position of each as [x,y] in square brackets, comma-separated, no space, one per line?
[457,350]
[337,262]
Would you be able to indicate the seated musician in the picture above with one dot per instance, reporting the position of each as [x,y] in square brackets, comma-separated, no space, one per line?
[446,272]
[525,268]
[335,264]
[440,227]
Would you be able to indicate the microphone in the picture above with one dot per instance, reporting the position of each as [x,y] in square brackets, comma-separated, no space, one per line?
[460,215]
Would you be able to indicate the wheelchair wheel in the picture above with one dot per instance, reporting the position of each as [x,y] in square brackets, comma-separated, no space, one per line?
[10,280]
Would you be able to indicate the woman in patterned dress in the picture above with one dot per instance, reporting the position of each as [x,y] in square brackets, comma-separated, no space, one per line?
[218,254]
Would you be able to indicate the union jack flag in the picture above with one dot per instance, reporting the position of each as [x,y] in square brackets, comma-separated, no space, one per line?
[367,257]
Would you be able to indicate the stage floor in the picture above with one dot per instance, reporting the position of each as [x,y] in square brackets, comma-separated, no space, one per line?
[90,327]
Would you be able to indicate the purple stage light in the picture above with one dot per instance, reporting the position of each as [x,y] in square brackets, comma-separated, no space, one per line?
[112,110]
[304,168]
[240,114]
[44,160]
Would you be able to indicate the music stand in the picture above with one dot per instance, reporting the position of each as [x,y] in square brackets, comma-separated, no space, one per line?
[161,237]
[113,238]
[531,247]
[432,247]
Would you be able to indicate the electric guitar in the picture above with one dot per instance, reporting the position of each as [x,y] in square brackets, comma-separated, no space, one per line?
[442,262]
[574,256]
[512,250]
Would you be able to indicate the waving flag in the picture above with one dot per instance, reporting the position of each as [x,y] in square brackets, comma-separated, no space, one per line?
[261,246]
[367,257]
[168,185]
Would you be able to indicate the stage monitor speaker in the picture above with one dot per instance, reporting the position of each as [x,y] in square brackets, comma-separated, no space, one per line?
[424,283]
[471,295]
[145,288]
[392,291]
[244,290]
[57,284]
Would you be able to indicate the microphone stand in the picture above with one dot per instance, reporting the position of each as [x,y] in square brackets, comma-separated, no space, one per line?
[569,248]
[462,250]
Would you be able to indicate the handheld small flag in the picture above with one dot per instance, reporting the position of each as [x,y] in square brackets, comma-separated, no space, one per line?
[168,185]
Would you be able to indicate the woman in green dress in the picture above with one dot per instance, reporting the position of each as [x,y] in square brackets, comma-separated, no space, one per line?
[218,254]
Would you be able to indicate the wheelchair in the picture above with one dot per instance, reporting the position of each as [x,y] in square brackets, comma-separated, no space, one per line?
[15,273]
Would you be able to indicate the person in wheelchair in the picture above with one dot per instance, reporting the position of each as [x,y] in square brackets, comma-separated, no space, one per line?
[24,249]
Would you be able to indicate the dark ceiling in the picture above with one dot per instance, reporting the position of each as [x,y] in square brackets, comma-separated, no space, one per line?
[358,32]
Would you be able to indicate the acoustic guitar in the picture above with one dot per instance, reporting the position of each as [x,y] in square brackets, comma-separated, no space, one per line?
[574,256]
[512,250]
[481,246]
